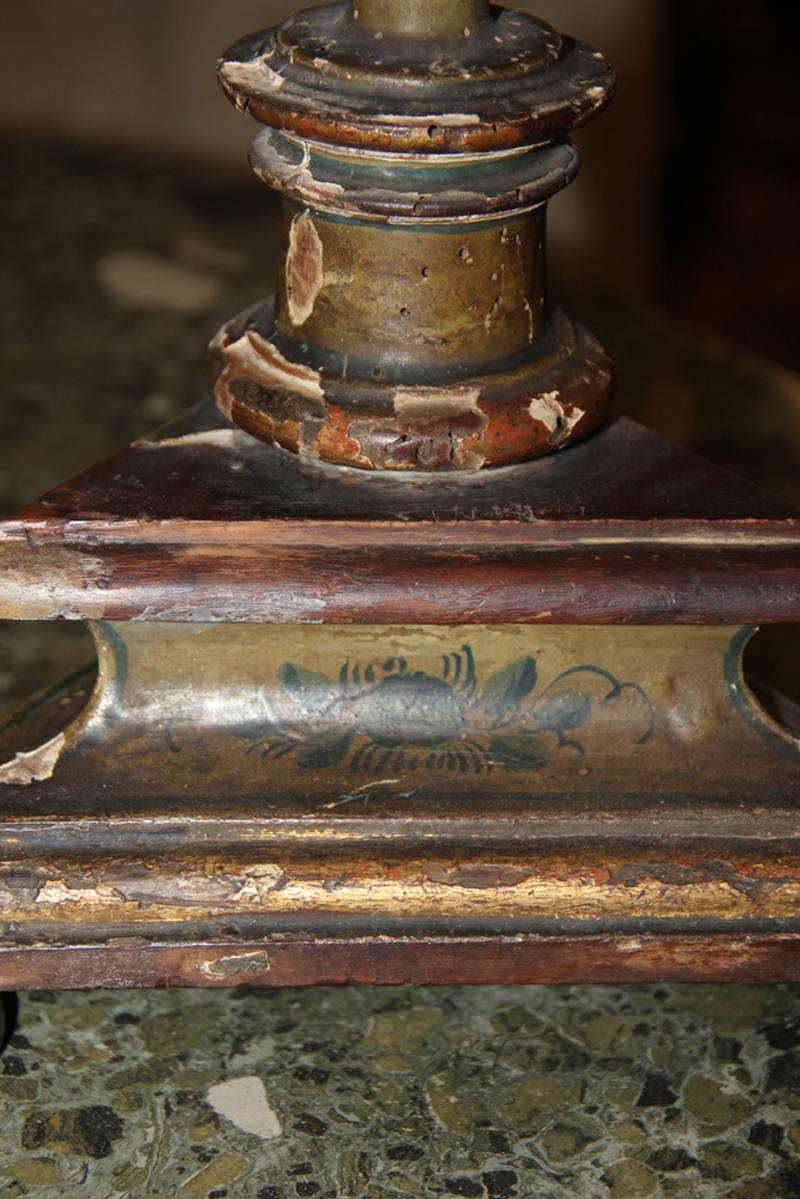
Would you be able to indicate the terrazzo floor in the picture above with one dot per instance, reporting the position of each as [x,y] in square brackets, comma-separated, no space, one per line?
[358,1093]
[370,1093]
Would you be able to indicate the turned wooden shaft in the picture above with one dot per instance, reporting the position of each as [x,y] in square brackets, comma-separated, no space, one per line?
[410,331]
[421,18]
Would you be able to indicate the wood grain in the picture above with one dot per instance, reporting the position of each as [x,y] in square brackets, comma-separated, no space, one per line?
[393,961]
[208,524]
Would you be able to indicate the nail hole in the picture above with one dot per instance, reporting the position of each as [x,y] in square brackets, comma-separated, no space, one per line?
[405,311]
[426,272]
[433,130]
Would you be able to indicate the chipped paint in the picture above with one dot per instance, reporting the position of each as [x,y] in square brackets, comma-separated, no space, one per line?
[220,439]
[246,76]
[261,881]
[550,412]
[34,766]
[531,319]
[547,409]
[255,962]
[433,428]
[315,83]
[254,357]
[493,314]
[447,120]
[571,422]
[304,262]
[44,580]
[713,890]
[360,304]
[57,892]
[295,178]
[418,405]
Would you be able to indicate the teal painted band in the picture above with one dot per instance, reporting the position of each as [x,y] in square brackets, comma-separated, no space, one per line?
[119,649]
[453,228]
[745,701]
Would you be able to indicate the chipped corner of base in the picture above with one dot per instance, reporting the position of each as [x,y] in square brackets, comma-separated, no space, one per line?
[35,766]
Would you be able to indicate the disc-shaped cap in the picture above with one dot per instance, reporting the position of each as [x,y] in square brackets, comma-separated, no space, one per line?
[344,74]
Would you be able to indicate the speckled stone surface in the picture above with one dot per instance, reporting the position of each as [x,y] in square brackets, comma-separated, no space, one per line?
[114,276]
[498,1092]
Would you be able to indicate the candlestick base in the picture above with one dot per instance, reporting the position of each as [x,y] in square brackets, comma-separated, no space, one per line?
[484,728]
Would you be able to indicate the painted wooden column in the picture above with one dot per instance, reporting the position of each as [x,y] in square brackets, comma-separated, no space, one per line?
[416,147]
[421,18]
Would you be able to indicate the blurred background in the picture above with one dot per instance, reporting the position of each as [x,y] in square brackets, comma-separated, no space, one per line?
[132,226]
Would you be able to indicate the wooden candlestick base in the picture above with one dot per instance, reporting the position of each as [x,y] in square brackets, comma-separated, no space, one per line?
[348,729]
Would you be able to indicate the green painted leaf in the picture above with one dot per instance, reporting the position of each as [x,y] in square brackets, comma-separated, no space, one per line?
[324,751]
[263,730]
[564,711]
[297,678]
[508,687]
[521,751]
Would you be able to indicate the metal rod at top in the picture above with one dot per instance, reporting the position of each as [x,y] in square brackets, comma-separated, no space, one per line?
[421,18]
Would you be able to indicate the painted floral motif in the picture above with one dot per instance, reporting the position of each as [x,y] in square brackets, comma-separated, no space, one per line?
[389,716]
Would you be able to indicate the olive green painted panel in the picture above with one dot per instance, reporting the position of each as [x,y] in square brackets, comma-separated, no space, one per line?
[421,720]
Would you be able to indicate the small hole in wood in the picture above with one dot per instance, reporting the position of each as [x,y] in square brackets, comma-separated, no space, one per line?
[433,131]
[426,272]
[405,311]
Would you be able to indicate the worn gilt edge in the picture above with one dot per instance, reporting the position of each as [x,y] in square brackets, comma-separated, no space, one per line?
[720,833]
[700,891]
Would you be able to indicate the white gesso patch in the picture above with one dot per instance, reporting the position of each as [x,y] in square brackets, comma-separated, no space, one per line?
[220,439]
[252,76]
[244,1102]
[303,268]
[549,411]
[35,766]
